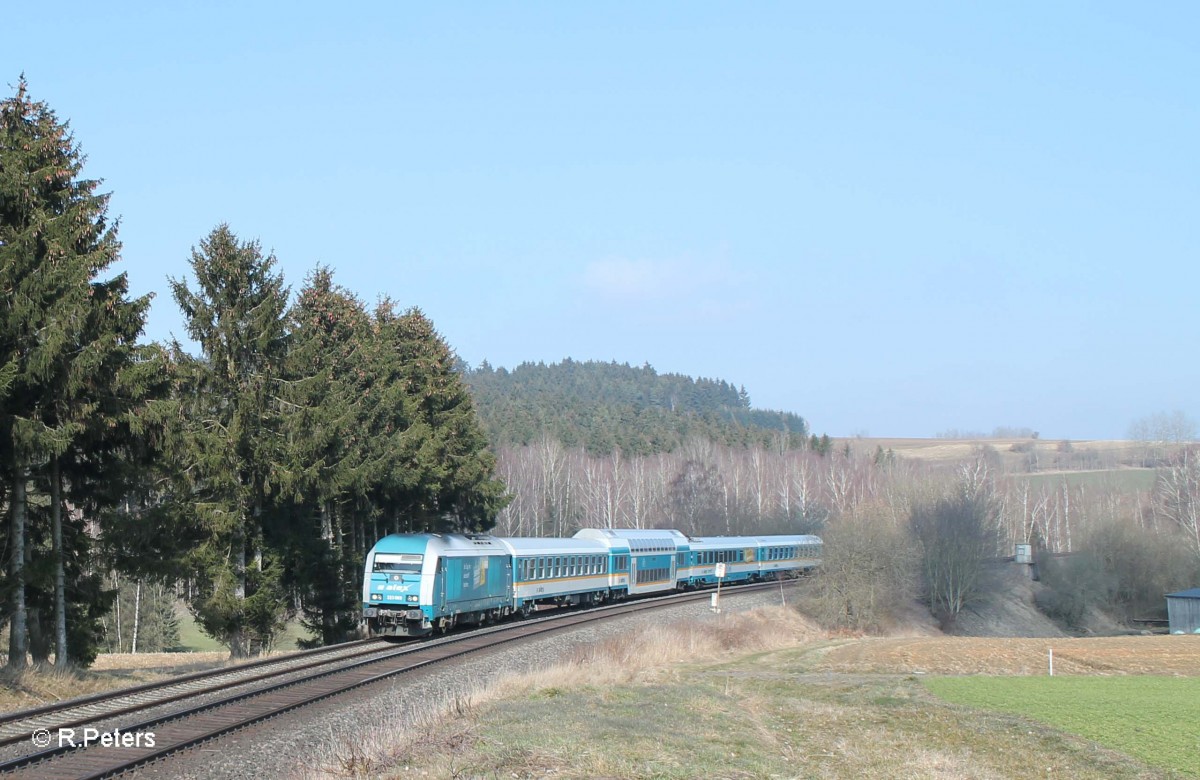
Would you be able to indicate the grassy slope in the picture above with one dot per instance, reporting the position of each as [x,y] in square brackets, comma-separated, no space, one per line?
[668,703]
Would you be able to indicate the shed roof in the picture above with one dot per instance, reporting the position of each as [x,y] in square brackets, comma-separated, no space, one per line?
[1192,593]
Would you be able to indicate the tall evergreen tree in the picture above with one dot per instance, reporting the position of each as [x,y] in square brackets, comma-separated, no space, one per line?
[229,444]
[65,340]
[441,477]
[327,436]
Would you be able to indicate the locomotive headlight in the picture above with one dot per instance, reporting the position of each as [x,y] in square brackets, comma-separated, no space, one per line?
[376,597]
[414,599]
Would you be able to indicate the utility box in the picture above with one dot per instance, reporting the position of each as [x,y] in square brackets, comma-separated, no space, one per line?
[1024,553]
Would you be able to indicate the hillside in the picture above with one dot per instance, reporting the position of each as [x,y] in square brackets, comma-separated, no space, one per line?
[609,406]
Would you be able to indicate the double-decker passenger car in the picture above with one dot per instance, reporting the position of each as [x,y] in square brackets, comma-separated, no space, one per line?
[558,571]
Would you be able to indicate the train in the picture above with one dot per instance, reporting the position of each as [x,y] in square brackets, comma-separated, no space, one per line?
[420,584]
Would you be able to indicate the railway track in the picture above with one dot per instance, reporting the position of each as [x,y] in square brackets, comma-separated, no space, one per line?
[135,743]
[17,726]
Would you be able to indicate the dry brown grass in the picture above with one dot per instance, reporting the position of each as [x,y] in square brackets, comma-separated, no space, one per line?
[765,694]
[962,449]
[174,662]
[653,653]
[1178,655]
[646,656]
[38,685]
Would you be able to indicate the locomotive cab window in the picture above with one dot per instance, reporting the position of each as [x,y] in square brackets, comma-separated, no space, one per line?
[391,562]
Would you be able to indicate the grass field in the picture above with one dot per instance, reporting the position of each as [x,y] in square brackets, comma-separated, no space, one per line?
[764,697]
[1156,719]
[1124,480]
[192,639]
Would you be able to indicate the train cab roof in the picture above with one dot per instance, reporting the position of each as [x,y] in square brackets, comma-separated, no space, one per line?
[440,544]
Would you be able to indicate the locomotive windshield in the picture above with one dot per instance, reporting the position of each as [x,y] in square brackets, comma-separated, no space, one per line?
[392,562]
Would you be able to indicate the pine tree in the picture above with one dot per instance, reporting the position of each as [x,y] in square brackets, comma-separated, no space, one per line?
[65,338]
[229,446]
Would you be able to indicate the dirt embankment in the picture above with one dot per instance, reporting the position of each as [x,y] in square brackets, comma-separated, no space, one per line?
[1006,607]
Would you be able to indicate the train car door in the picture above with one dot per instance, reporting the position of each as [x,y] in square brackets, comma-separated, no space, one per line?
[440,586]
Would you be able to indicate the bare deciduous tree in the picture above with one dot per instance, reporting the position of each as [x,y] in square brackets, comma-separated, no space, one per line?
[867,571]
[956,536]
[1178,496]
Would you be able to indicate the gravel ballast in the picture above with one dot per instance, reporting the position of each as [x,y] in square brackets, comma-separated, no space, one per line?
[298,744]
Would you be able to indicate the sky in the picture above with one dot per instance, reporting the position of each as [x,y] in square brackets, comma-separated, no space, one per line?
[894,219]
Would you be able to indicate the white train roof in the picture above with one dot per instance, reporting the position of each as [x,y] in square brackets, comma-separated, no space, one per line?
[540,546]
[639,540]
[751,541]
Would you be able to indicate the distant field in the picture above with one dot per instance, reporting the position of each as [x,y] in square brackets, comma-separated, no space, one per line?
[1128,480]
[1116,451]
[1156,719]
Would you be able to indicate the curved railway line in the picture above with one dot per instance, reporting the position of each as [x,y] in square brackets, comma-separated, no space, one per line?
[245,695]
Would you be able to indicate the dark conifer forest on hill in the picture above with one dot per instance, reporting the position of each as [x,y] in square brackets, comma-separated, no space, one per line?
[602,407]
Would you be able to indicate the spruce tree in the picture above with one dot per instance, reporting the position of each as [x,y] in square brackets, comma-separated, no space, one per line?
[228,444]
[441,477]
[65,338]
[327,468]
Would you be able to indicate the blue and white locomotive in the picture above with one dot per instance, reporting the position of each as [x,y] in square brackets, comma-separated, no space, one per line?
[417,584]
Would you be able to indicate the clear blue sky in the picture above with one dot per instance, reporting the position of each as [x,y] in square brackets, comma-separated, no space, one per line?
[892,218]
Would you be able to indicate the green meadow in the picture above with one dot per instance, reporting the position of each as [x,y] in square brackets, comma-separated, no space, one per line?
[1155,719]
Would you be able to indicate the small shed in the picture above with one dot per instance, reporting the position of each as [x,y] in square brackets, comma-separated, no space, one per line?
[1183,611]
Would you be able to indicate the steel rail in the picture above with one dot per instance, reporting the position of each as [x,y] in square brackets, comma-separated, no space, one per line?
[189,727]
[22,723]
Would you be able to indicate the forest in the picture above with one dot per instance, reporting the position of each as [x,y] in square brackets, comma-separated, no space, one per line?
[247,472]
[607,407]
